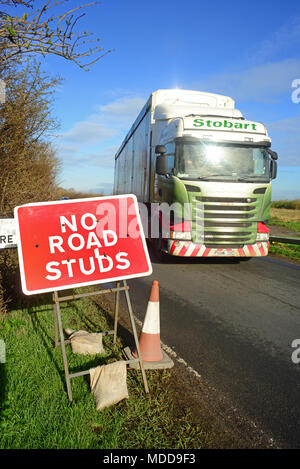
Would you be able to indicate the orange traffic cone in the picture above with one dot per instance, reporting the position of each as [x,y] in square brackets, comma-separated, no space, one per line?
[149,341]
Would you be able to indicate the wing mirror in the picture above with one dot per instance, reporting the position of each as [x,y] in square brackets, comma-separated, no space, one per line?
[273,169]
[161,166]
[273,154]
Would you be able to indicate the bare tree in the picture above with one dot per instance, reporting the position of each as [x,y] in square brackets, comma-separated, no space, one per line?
[45,32]
[28,166]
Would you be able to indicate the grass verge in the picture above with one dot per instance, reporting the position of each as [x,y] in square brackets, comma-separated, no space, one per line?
[288,218]
[292,251]
[34,408]
[285,217]
[291,225]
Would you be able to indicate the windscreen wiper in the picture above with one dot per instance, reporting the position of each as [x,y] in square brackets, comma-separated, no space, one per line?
[253,176]
[203,178]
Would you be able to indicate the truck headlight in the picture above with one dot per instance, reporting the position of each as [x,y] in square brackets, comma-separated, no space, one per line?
[186,235]
[262,237]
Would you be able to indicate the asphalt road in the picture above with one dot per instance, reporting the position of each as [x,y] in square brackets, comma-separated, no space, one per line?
[234,322]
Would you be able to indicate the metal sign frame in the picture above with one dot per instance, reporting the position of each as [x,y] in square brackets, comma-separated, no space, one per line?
[59,338]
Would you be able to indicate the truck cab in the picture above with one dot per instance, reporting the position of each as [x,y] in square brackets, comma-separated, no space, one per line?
[223,168]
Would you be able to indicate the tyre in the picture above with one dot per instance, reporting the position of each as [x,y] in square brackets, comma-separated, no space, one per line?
[158,253]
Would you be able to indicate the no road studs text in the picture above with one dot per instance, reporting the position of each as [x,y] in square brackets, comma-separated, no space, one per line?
[151,458]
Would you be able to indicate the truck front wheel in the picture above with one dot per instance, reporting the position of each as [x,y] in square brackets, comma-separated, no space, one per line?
[160,255]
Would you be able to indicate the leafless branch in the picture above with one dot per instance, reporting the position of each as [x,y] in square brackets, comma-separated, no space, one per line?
[44,33]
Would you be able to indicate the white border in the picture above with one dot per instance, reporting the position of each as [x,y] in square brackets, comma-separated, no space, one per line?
[95,282]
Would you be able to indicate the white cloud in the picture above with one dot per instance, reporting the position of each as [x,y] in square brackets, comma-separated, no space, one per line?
[262,83]
[287,36]
[79,158]
[104,187]
[105,159]
[265,79]
[123,108]
[86,132]
[289,127]
[289,155]
[112,120]
[286,136]
[88,148]
[66,149]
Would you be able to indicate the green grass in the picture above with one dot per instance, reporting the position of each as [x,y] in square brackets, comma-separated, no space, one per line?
[291,225]
[292,251]
[288,216]
[34,407]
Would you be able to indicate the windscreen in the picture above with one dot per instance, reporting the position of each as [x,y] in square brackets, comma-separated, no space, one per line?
[210,160]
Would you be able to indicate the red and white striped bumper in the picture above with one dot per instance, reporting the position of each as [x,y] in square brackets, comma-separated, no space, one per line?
[190,249]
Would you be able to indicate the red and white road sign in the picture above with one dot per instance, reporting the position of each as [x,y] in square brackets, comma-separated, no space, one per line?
[72,243]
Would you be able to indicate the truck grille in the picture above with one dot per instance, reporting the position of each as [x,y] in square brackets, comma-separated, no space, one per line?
[237,200]
[225,221]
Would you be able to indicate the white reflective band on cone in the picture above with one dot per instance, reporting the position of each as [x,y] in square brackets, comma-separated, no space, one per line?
[151,322]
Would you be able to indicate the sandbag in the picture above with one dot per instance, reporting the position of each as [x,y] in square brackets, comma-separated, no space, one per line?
[109,384]
[85,343]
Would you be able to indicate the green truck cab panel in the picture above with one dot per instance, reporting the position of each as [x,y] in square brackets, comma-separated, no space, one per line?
[227,219]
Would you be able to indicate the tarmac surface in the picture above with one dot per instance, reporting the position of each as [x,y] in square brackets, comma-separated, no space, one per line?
[231,326]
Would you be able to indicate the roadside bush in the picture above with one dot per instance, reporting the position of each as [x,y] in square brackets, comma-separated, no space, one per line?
[2,300]
[287,204]
[73,194]
[28,165]
[9,278]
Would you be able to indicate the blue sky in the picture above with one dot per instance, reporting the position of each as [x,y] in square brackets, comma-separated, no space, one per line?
[246,50]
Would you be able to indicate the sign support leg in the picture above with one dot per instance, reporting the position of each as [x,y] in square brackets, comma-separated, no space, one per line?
[56,342]
[63,348]
[117,301]
[136,337]
[58,328]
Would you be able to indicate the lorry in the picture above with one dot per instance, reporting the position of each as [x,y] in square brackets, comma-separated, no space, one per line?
[196,152]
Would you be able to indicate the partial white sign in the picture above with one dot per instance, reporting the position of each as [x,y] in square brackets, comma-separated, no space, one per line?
[8,238]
